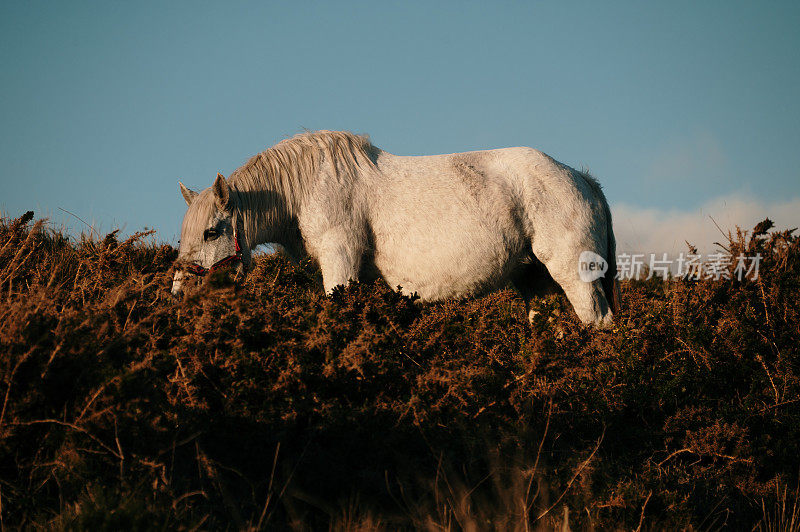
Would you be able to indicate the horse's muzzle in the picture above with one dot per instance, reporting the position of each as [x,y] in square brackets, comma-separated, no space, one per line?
[177,282]
[200,271]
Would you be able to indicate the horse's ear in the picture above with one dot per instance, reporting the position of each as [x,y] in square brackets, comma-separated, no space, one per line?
[188,194]
[221,192]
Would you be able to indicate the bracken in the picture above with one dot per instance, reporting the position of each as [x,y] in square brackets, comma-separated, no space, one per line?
[268,404]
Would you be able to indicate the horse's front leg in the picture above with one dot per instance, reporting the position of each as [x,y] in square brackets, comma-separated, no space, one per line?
[339,255]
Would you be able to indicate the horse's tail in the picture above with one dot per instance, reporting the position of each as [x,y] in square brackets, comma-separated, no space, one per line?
[609,281]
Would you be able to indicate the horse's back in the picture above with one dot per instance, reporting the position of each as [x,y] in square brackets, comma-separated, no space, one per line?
[447,225]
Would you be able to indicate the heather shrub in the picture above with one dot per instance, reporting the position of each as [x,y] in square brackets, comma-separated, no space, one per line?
[266,404]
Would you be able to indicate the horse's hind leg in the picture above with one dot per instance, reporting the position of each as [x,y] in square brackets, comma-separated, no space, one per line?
[587,298]
[531,279]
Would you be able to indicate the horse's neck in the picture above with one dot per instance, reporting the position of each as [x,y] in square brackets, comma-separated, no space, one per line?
[292,242]
[264,223]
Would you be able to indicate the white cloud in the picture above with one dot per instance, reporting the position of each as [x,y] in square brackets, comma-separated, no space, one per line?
[644,230]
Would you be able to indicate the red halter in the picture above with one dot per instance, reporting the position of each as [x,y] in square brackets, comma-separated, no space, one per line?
[200,271]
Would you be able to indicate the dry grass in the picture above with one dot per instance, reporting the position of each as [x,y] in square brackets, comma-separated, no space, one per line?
[268,405]
[784,516]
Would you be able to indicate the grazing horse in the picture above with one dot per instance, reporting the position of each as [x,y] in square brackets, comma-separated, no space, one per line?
[441,225]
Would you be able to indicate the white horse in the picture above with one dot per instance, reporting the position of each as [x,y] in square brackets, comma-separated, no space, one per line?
[441,226]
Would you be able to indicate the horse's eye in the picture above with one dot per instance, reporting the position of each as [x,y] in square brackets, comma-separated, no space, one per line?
[210,234]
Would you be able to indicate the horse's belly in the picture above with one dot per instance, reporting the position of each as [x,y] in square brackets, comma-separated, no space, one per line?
[444,226]
[450,261]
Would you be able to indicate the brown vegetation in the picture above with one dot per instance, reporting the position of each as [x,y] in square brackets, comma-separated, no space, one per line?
[268,405]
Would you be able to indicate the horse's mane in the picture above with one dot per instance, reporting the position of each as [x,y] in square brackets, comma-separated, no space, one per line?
[289,167]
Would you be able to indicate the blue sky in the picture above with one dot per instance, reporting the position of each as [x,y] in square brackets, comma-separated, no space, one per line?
[673,105]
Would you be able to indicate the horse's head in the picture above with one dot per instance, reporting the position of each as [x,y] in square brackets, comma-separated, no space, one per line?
[210,235]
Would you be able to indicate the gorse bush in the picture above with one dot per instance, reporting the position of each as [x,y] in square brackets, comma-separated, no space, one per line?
[266,404]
